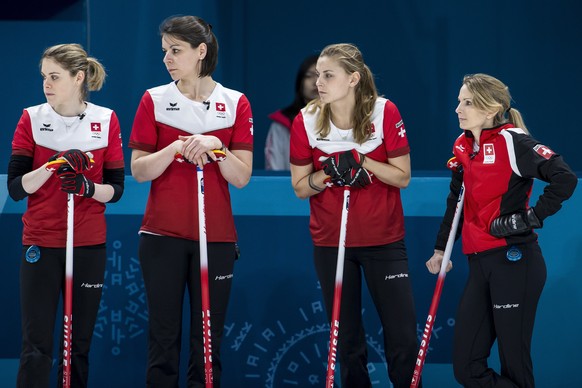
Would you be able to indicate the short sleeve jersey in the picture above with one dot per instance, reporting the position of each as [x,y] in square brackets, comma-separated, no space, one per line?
[40,133]
[375,216]
[164,114]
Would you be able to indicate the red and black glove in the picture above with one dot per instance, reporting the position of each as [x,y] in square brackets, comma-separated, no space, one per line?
[65,172]
[337,165]
[359,178]
[80,161]
[73,183]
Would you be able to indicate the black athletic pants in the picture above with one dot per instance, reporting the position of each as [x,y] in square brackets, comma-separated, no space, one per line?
[170,265]
[41,284]
[385,269]
[499,302]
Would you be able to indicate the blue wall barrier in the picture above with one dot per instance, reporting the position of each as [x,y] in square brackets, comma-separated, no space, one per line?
[276,332]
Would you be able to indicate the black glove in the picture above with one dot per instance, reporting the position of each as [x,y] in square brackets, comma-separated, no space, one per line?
[78,184]
[515,223]
[359,178]
[79,160]
[338,165]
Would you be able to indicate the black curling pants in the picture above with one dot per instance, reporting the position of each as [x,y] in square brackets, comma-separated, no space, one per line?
[169,266]
[385,269]
[499,303]
[41,285]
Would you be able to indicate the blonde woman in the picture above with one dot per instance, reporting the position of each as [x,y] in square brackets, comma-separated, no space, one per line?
[66,126]
[507,271]
[351,136]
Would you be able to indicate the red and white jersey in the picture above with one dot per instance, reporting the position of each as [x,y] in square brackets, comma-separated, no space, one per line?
[40,133]
[163,115]
[375,216]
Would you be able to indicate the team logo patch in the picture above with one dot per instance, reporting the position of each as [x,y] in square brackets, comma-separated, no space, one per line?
[543,151]
[95,127]
[220,107]
[489,153]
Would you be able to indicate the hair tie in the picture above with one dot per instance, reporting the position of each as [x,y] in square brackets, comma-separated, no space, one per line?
[508,109]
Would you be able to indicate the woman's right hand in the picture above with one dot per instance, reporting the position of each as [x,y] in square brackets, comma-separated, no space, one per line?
[434,263]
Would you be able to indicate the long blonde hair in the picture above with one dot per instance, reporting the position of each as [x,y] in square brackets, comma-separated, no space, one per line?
[73,58]
[350,59]
[490,94]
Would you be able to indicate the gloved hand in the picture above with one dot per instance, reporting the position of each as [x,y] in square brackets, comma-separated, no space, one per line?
[515,223]
[337,165]
[334,183]
[359,178]
[65,171]
[78,184]
[77,159]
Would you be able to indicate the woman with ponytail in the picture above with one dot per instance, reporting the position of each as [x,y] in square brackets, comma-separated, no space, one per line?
[350,136]
[507,270]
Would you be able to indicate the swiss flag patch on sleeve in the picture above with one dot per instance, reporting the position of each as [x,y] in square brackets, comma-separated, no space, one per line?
[543,151]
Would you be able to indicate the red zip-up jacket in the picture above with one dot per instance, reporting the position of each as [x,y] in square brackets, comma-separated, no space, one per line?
[498,178]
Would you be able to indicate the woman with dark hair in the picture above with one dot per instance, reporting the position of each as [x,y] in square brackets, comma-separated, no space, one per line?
[507,271]
[66,127]
[191,117]
[351,136]
[277,144]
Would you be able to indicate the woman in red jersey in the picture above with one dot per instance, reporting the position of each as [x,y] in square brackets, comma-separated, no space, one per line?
[507,271]
[67,127]
[191,116]
[362,141]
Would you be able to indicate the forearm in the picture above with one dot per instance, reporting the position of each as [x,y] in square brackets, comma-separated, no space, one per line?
[147,167]
[310,184]
[103,192]
[35,179]
[388,173]
[237,167]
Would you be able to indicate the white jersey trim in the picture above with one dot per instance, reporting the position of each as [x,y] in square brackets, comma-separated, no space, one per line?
[87,133]
[335,142]
[511,147]
[172,108]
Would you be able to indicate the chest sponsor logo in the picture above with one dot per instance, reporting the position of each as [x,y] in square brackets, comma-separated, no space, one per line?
[488,153]
[173,106]
[46,128]
[543,151]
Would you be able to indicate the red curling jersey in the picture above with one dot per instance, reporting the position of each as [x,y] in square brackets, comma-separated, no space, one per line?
[375,216]
[40,133]
[164,113]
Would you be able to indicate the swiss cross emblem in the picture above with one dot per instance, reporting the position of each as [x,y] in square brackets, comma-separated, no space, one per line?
[488,153]
[95,127]
[220,107]
[543,151]
[453,164]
